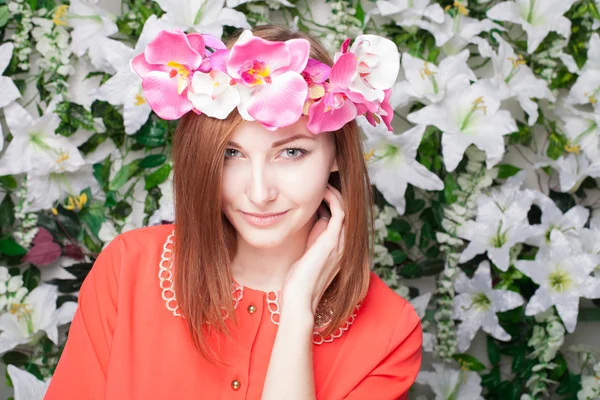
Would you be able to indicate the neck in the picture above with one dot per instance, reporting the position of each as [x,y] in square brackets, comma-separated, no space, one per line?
[265,269]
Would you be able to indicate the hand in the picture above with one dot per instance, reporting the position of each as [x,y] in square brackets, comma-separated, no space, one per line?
[309,277]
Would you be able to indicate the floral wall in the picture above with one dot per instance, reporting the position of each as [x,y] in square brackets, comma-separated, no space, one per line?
[487,191]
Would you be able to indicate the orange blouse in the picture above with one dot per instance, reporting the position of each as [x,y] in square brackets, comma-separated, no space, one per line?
[128,341]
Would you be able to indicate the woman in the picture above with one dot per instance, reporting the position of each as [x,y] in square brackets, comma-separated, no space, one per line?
[228,302]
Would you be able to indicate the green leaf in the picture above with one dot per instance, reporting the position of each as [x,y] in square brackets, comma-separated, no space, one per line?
[560,369]
[556,145]
[8,182]
[507,170]
[518,362]
[153,160]
[393,236]
[400,226]
[15,358]
[11,248]
[450,186]
[493,350]
[469,362]
[4,14]
[157,177]
[593,9]
[409,239]
[360,12]
[7,215]
[399,256]
[522,136]
[93,216]
[414,206]
[152,133]
[123,175]
[31,278]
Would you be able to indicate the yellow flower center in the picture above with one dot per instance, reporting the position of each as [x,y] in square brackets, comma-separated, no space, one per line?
[59,17]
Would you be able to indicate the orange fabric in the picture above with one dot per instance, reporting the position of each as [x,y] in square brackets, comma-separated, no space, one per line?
[125,344]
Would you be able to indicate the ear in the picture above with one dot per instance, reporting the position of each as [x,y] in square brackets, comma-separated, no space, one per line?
[335,166]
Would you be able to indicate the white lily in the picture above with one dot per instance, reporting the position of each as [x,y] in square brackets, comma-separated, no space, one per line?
[124,88]
[35,148]
[513,78]
[427,82]
[377,66]
[392,165]
[205,16]
[561,273]
[586,89]
[572,168]
[448,383]
[501,223]
[409,12]
[36,313]
[477,303]
[457,30]
[420,304]
[583,130]
[7,87]
[166,204]
[536,17]
[27,386]
[90,23]
[469,114]
[569,223]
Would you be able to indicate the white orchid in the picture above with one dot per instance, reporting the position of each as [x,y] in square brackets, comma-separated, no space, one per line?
[553,218]
[7,87]
[586,89]
[27,386]
[501,223]
[213,93]
[36,313]
[392,165]
[427,82]
[457,30]
[448,383]
[561,273]
[90,23]
[35,148]
[409,12]
[536,17]
[469,114]
[477,303]
[205,16]
[513,78]
[125,87]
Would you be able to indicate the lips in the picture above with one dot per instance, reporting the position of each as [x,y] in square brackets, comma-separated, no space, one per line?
[263,215]
[263,219]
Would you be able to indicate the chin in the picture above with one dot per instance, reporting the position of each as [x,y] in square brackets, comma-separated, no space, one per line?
[263,239]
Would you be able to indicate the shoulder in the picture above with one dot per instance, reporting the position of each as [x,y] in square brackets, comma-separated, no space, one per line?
[145,238]
[385,314]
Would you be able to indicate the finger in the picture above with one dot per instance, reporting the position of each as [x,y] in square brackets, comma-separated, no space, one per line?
[338,195]
[337,214]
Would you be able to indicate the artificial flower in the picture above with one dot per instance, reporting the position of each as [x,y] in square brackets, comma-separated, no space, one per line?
[409,13]
[27,386]
[7,87]
[586,89]
[573,167]
[477,303]
[536,17]
[583,131]
[392,165]
[469,114]
[448,383]
[90,23]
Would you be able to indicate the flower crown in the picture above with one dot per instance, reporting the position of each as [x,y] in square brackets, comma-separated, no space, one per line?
[272,82]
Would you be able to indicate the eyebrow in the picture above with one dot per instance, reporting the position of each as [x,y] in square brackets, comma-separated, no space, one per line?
[278,143]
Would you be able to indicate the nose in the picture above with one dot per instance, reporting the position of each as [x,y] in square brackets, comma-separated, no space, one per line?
[261,188]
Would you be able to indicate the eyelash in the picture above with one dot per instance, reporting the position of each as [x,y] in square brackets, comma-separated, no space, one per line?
[302,153]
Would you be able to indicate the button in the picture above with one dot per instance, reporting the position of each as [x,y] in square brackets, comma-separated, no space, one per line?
[251,308]
[235,384]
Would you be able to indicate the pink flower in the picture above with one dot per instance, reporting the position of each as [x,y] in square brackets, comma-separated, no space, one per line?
[385,111]
[315,74]
[166,68]
[272,89]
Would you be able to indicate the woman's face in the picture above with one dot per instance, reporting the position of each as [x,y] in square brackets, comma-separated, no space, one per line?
[268,172]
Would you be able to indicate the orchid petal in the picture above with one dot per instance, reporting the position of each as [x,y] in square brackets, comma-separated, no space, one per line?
[162,94]
[172,47]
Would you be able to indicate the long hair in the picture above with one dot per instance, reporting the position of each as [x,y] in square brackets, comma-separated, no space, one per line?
[205,239]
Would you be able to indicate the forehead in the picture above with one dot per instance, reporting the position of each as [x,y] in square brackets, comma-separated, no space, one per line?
[253,134]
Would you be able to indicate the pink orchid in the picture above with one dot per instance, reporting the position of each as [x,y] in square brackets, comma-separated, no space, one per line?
[166,68]
[272,89]
[315,74]
[336,107]
[385,111]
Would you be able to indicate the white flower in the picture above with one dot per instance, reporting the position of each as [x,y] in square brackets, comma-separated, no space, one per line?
[166,205]
[469,114]
[536,17]
[501,223]
[206,16]
[427,82]
[477,303]
[392,165]
[90,23]
[125,87]
[572,169]
[448,383]
[513,78]
[37,313]
[420,304]
[561,274]
[14,283]
[27,386]
[378,65]
[583,130]
[586,89]
[568,223]
[457,31]
[409,13]
[7,87]
[213,93]
[35,148]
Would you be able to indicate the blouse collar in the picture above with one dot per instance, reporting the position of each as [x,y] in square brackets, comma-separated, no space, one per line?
[165,276]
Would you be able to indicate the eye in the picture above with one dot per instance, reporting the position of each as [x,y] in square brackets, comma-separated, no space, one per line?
[228,153]
[290,151]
